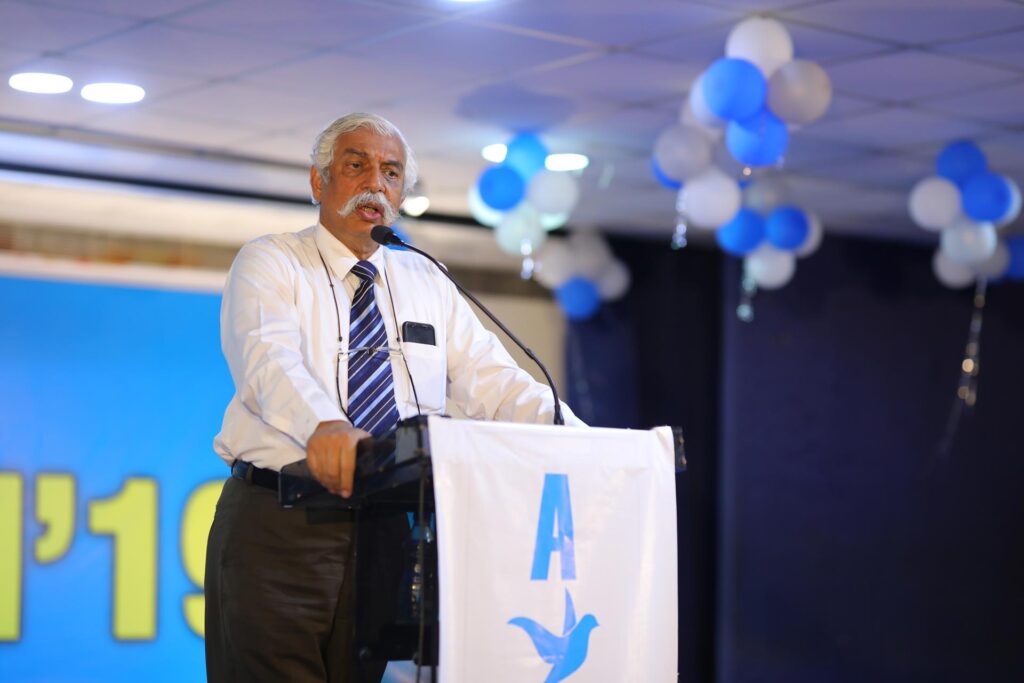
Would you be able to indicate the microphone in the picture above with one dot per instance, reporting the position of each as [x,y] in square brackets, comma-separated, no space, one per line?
[381,234]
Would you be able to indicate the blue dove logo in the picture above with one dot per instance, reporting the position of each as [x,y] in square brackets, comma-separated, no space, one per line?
[567,652]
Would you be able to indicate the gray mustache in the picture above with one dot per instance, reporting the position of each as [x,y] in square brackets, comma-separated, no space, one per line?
[378,199]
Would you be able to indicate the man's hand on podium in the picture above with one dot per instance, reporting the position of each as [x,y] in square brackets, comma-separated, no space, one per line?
[331,454]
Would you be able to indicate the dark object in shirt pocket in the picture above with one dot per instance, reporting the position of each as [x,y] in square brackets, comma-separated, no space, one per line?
[418,333]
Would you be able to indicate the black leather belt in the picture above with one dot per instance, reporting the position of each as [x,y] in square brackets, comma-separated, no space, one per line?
[248,472]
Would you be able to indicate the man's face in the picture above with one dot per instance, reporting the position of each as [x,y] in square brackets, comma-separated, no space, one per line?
[365,163]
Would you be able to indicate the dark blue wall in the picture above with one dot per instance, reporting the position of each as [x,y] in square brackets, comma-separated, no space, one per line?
[837,544]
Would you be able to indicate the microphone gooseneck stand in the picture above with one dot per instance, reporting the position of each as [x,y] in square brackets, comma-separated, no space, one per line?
[384,235]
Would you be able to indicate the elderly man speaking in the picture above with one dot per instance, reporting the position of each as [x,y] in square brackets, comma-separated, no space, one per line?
[312,327]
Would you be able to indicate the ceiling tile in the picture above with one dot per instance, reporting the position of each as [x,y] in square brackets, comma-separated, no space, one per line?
[188,52]
[910,75]
[353,81]
[698,49]
[617,77]
[913,21]
[337,23]
[825,46]
[894,129]
[607,23]
[40,28]
[164,128]
[632,128]
[472,51]
[242,104]
[1003,105]
[806,151]
[13,59]
[1002,49]
[128,8]
[892,171]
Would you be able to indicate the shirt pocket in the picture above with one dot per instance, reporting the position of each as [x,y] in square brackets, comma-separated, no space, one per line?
[428,368]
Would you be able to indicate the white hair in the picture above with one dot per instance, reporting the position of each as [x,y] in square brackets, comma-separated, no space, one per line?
[323,147]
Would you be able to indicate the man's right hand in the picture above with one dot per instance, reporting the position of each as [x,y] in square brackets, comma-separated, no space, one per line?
[331,454]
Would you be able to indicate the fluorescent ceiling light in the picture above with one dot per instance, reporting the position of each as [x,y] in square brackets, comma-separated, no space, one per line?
[415,205]
[41,83]
[494,153]
[113,93]
[566,162]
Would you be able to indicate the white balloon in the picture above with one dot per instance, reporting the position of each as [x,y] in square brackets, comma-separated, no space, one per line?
[614,281]
[520,232]
[996,264]
[482,214]
[760,40]
[688,118]
[682,152]
[698,108]
[950,273]
[1015,204]
[814,234]
[554,264]
[799,92]
[967,242]
[553,192]
[934,203]
[710,200]
[554,221]
[766,194]
[590,254]
[771,268]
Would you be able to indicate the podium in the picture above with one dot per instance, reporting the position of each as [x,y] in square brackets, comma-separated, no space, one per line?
[555,550]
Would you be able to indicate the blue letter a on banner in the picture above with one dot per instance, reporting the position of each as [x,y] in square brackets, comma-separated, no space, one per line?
[554,529]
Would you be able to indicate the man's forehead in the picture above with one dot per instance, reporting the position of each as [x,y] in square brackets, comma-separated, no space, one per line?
[364,140]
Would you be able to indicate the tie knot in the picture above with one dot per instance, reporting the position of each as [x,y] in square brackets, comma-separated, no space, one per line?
[365,271]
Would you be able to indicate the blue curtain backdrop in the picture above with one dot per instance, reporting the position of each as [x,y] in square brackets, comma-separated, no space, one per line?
[848,551]
[652,359]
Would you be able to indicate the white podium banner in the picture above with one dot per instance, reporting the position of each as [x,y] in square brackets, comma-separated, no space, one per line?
[557,553]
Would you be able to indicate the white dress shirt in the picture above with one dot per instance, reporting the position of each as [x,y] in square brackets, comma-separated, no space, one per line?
[279,334]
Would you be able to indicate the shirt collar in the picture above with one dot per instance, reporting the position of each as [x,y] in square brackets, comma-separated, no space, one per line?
[339,257]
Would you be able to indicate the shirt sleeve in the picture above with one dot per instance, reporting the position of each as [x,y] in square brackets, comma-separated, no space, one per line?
[262,343]
[484,380]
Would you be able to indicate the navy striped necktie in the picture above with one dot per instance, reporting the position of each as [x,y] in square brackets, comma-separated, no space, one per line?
[371,385]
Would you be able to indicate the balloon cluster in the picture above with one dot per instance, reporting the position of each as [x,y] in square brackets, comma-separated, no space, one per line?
[967,204]
[522,200]
[582,272]
[753,96]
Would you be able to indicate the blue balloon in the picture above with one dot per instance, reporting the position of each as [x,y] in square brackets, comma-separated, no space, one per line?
[1016,246]
[579,298]
[986,197]
[501,188]
[742,234]
[960,161]
[659,175]
[526,154]
[760,140]
[734,89]
[787,228]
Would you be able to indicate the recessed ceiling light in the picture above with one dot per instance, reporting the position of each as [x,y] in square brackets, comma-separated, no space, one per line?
[494,153]
[415,205]
[566,162]
[113,93]
[41,83]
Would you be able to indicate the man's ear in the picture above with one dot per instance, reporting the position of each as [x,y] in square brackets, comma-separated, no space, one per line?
[314,184]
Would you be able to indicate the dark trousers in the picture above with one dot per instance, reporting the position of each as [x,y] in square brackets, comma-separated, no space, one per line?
[280,592]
